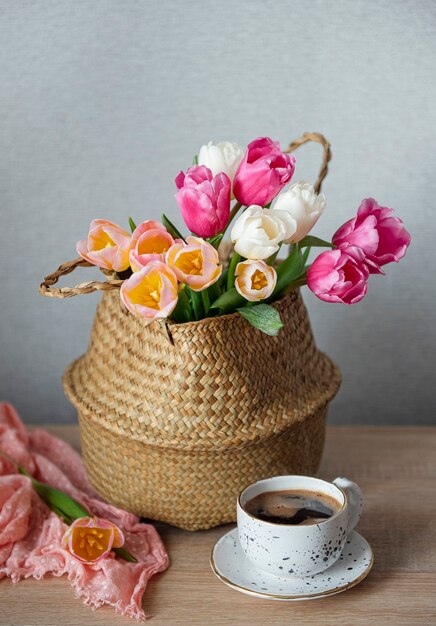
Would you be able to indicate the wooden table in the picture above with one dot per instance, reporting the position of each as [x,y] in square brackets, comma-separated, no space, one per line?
[396,468]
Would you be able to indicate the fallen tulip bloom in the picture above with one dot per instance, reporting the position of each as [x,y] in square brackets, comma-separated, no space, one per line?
[106,246]
[90,539]
[152,292]
[150,241]
[255,280]
[195,263]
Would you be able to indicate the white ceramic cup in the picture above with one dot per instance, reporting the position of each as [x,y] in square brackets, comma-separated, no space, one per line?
[289,551]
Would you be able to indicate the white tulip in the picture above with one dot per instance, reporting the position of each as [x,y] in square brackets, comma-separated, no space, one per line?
[221,157]
[303,205]
[258,232]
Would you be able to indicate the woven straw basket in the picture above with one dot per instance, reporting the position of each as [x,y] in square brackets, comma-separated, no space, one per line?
[175,419]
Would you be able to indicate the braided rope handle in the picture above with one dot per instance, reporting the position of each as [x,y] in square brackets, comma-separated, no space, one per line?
[47,289]
[327,154]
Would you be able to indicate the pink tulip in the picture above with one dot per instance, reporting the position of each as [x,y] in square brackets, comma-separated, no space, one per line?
[334,276]
[381,237]
[150,241]
[262,173]
[204,200]
[152,292]
[90,539]
[107,246]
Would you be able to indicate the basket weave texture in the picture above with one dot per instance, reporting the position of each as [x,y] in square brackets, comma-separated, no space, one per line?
[176,419]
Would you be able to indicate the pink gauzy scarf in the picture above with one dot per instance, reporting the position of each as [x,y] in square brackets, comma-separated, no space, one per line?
[31,534]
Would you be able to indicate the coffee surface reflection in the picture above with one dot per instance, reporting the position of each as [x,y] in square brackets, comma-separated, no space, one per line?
[297,508]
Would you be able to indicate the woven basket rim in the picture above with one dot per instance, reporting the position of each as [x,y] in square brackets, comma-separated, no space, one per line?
[209,321]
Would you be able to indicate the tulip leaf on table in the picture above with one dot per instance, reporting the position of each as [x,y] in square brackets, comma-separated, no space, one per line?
[65,507]
[171,228]
[264,317]
[55,499]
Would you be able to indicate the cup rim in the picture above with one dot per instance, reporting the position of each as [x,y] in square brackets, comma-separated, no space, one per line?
[321,480]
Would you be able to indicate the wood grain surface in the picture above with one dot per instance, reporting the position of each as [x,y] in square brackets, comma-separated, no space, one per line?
[396,468]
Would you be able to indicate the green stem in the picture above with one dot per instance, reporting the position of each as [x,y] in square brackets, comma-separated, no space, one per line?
[271,259]
[298,282]
[122,552]
[196,303]
[183,311]
[233,212]
[232,266]
[306,254]
[206,301]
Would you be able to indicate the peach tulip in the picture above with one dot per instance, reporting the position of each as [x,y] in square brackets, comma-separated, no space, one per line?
[195,263]
[152,292]
[150,241]
[90,539]
[107,246]
[255,280]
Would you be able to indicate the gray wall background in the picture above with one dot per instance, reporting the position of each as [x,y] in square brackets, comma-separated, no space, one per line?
[104,101]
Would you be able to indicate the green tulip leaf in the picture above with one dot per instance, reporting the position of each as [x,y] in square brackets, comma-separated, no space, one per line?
[288,270]
[183,311]
[171,228]
[56,500]
[228,302]
[216,240]
[196,301]
[264,317]
[132,224]
[67,508]
[315,242]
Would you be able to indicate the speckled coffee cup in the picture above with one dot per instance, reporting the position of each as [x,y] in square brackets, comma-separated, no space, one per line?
[286,550]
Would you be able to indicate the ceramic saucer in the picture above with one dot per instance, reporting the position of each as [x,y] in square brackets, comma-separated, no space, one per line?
[231,565]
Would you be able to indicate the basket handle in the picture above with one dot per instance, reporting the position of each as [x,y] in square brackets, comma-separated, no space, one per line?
[327,154]
[46,288]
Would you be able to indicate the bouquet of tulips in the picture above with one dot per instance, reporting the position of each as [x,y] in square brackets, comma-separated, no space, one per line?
[169,275]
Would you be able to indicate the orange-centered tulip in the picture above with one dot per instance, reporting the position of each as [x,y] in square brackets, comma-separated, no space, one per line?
[151,292]
[255,280]
[107,246]
[90,539]
[195,263]
[150,241]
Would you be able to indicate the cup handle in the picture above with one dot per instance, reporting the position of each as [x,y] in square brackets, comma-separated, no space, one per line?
[355,500]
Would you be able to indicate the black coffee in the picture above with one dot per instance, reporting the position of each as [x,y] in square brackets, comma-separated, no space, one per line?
[296,507]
